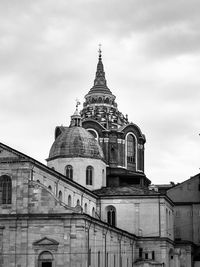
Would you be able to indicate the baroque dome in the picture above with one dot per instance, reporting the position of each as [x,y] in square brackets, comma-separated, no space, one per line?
[75,142]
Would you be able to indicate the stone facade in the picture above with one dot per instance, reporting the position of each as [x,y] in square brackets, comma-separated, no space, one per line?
[186,197]
[91,205]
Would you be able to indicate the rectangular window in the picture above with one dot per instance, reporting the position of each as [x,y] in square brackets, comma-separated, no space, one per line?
[99,259]
[89,257]
[153,255]
[107,260]
[140,252]
[146,256]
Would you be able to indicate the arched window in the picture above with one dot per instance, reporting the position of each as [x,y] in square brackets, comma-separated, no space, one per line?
[5,189]
[69,200]
[78,202]
[103,178]
[50,188]
[130,149]
[85,208]
[111,215]
[60,195]
[93,212]
[94,133]
[89,175]
[69,171]
[45,259]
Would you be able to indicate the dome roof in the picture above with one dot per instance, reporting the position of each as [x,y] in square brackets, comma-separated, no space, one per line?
[75,142]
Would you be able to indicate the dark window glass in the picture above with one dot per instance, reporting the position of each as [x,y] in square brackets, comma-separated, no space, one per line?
[60,195]
[5,189]
[69,171]
[111,216]
[89,175]
[130,149]
[140,252]
[99,259]
[69,200]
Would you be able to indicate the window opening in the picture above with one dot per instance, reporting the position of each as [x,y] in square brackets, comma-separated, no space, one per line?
[93,212]
[130,149]
[89,175]
[45,259]
[140,252]
[69,200]
[111,216]
[5,189]
[85,208]
[50,188]
[60,195]
[69,171]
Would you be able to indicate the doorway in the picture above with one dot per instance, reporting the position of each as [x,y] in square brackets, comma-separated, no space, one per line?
[46,264]
[45,259]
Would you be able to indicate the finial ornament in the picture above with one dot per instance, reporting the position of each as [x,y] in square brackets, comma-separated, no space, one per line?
[77,103]
[100,50]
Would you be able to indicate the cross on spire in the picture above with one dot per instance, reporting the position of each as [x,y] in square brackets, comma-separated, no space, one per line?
[100,50]
[77,103]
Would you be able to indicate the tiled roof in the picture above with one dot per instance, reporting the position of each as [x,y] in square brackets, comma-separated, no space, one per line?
[75,142]
[124,190]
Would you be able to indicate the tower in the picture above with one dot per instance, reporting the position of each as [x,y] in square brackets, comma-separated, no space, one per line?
[122,142]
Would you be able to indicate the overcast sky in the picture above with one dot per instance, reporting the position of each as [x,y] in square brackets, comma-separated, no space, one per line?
[151,56]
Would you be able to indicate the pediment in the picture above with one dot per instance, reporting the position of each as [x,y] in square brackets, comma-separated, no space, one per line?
[45,241]
[8,154]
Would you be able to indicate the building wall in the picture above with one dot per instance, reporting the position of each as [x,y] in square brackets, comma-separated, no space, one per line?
[143,216]
[188,191]
[79,170]
[73,239]
[186,197]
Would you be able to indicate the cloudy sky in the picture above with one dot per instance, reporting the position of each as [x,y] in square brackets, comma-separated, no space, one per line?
[151,56]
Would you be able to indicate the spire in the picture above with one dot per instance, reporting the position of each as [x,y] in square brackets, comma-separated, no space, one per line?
[100,84]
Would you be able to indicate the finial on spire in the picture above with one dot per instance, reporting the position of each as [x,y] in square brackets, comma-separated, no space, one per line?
[76,118]
[77,104]
[99,51]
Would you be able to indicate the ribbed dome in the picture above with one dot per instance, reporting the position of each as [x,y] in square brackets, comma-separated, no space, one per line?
[75,142]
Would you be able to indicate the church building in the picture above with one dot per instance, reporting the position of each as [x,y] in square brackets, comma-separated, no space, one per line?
[91,205]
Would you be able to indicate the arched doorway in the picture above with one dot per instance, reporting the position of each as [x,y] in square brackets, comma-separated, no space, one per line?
[45,259]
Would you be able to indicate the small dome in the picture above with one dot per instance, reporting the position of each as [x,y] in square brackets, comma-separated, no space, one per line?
[75,142]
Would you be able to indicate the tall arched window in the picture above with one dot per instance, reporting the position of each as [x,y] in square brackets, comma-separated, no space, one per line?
[60,195]
[78,202]
[93,212]
[5,189]
[85,208]
[45,259]
[111,215]
[50,188]
[69,200]
[130,149]
[89,175]
[94,133]
[69,171]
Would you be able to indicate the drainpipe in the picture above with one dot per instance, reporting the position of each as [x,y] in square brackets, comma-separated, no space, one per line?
[120,251]
[88,245]
[105,246]
[159,217]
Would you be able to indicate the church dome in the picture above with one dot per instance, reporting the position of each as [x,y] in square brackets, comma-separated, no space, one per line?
[75,142]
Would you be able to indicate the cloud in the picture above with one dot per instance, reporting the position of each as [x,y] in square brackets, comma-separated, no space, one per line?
[48,57]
